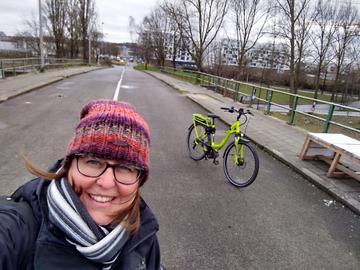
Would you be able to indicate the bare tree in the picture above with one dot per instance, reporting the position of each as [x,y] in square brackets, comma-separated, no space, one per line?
[86,13]
[30,36]
[174,31]
[132,27]
[73,28]
[157,25]
[322,37]
[290,12]
[302,33]
[250,17]
[145,46]
[56,14]
[347,20]
[199,22]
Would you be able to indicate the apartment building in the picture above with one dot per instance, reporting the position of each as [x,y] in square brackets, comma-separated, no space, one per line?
[263,55]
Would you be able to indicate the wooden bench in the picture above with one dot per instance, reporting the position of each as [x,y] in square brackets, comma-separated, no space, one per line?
[329,148]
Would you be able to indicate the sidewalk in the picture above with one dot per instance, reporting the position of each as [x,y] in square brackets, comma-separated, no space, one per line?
[14,86]
[276,137]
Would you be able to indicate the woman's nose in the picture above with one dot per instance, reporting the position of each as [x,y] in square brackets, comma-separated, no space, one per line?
[107,179]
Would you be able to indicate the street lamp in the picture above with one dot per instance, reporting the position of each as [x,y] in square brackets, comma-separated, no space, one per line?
[41,38]
[89,30]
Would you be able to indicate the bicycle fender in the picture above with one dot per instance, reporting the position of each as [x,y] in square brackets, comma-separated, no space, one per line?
[244,140]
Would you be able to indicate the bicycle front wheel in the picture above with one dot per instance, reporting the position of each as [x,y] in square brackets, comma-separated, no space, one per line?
[195,141]
[241,164]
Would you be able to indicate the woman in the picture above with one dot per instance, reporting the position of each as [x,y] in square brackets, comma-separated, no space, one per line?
[88,209]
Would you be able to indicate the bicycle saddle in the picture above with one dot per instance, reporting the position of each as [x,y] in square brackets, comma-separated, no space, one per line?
[214,116]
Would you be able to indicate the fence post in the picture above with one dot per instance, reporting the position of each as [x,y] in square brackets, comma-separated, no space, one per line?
[328,119]
[293,111]
[253,96]
[14,70]
[197,79]
[218,85]
[237,89]
[2,72]
[226,84]
[269,99]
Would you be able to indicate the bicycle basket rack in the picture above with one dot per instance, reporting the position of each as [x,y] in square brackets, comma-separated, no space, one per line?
[201,119]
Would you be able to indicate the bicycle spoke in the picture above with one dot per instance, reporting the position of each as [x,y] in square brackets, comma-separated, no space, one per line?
[241,165]
[195,142]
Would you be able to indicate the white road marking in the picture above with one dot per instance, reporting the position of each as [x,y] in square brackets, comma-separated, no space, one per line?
[116,95]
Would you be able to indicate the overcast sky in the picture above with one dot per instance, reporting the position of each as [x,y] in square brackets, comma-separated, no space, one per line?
[113,14]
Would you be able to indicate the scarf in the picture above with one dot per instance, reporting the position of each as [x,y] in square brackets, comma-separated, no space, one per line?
[67,212]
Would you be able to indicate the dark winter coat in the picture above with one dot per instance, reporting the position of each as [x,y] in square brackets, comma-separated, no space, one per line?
[37,244]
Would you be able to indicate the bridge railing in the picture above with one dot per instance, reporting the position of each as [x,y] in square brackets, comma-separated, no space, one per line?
[327,116]
[13,67]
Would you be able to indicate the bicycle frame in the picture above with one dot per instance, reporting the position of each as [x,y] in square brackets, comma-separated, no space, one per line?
[206,121]
[240,160]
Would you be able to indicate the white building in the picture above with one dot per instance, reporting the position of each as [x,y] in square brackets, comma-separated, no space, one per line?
[182,55]
[225,52]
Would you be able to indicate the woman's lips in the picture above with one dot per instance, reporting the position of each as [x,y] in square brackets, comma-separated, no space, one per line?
[101,198]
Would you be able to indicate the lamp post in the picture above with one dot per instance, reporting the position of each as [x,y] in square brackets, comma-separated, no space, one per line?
[41,38]
[102,43]
[89,33]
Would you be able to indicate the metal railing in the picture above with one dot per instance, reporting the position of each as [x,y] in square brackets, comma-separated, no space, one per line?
[267,99]
[13,67]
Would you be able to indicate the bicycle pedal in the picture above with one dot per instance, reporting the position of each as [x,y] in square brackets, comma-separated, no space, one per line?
[216,162]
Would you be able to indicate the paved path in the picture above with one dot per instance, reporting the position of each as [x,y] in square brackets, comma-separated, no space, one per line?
[14,86]
[275,136]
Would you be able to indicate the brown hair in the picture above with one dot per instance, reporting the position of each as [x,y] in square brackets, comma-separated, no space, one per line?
[130,216]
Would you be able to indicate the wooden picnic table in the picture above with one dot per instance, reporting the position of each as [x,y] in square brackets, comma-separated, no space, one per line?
[329,147]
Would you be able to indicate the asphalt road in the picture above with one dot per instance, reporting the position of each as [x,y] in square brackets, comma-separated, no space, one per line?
[280,222]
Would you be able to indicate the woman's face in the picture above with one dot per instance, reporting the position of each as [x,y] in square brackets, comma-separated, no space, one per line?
[103,197]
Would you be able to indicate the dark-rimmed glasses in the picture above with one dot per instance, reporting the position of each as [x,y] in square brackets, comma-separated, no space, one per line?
[94,167]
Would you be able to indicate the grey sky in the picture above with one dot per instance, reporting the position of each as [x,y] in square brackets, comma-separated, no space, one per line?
[113,14]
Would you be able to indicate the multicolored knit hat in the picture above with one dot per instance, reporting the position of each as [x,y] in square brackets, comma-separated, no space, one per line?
[112,130]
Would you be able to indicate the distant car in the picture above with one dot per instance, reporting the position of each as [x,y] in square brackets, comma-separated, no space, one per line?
[190,67]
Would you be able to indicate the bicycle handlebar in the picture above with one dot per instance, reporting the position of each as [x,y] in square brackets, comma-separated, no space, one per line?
[240,111]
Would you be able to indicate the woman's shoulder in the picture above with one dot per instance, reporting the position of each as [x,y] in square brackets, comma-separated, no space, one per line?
[147,217]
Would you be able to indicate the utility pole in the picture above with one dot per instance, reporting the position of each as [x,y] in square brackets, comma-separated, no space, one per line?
[89,47]
[41,38]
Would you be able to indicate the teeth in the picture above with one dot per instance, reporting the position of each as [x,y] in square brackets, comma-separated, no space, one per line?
[101,199]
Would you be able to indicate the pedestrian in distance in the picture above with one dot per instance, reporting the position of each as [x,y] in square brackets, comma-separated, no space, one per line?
[87,211]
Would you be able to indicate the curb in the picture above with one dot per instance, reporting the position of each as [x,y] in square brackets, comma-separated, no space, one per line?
[35,87]
[307,174]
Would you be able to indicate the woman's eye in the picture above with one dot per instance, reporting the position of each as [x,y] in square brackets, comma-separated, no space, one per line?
[93,162]
[126,169]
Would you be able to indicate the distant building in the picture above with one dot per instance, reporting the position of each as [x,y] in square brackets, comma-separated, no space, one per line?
[268,56]
[9,47]
[183,57]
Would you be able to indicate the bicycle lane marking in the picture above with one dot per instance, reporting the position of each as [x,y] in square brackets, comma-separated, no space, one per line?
[117,91]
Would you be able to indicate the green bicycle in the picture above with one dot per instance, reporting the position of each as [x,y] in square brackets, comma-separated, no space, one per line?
[240,160]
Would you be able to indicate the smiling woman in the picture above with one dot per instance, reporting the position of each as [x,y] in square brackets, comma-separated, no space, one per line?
[90,209]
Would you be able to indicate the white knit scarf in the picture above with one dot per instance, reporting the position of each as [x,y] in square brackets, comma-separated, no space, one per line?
[96,243]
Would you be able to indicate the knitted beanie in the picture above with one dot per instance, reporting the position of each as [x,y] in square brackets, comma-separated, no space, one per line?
[112,130]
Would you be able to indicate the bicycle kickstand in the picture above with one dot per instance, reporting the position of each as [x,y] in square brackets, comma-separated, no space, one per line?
[216,162]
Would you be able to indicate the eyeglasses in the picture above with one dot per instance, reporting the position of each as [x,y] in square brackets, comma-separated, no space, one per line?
[94,167]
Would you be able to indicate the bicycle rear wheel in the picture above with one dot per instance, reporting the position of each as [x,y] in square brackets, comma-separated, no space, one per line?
[241,172]
[196,143]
